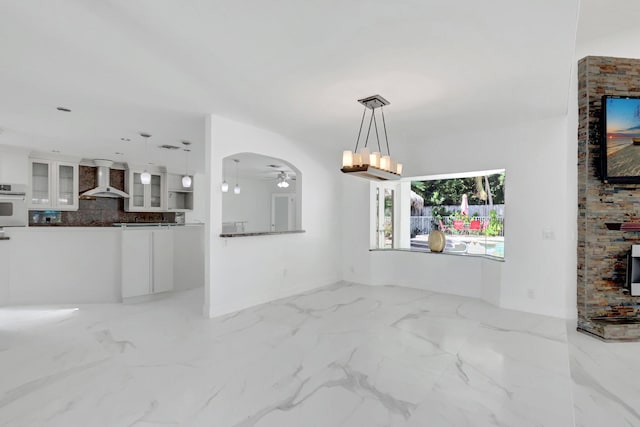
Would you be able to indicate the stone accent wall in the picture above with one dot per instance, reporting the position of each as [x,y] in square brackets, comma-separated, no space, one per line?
[602,252]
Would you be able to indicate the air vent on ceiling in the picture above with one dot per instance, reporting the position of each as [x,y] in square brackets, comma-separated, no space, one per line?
[168,147]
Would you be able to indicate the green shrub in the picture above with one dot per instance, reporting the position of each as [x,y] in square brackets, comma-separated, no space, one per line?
[494,227]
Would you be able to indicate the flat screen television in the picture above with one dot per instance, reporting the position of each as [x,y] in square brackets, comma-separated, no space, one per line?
[620,146]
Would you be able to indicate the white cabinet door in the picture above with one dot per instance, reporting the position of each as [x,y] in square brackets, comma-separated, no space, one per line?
[154,191]
[53,185]
[136,263]
[66,186]
[145,197]
[40,184]
[162,243]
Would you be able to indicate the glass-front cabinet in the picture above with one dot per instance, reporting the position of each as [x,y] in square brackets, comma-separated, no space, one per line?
[53,185]
[145,198]
[67,185]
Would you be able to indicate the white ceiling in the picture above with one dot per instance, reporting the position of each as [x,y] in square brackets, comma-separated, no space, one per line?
[603,18]
[294,67]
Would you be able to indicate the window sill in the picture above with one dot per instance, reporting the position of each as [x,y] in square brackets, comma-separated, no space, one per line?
[426,251]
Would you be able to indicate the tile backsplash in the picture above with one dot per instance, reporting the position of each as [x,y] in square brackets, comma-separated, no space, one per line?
[97,212]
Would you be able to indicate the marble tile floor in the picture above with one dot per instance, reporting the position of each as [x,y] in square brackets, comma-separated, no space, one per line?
[344,355]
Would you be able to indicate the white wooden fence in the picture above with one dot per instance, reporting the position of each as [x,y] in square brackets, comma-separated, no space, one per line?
[481,210]
[424,224]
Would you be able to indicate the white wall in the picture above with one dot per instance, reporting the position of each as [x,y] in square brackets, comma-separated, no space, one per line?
[537,275]
[199,212]
[14,165]
[623,44]
[245,271]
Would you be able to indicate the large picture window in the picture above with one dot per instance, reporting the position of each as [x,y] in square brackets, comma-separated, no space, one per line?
[469,208]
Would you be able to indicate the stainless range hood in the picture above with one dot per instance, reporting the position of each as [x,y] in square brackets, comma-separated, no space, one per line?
[104,189]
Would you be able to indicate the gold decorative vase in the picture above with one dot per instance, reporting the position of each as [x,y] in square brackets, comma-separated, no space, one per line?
[437,241]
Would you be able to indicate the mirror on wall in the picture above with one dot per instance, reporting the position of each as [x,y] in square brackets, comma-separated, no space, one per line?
[260,194]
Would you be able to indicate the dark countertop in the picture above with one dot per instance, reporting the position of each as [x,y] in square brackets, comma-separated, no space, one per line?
[109,224]
[153,224]
[72,225]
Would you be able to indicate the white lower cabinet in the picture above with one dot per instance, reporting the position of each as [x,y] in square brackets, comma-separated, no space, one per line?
[147,261]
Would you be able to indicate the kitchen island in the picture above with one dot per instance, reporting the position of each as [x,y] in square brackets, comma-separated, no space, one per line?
[68,265]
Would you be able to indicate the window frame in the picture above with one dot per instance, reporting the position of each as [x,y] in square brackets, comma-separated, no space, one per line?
[402,210]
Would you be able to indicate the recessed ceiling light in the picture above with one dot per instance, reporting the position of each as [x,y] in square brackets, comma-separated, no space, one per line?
[55,151]
[125,139]
[119,153]
[65,109]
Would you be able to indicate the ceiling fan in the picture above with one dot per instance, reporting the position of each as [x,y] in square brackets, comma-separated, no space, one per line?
[283,178]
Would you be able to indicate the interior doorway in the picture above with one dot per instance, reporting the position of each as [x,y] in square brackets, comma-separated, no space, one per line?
[283,211]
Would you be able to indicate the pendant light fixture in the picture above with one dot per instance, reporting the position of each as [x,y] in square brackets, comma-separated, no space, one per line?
[145,177]
[374,166]
[186,179]
[236,189]
[224,187]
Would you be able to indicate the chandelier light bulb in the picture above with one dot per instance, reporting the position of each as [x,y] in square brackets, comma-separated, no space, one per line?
[385,163]
[374,159]
[394,165]
[365,157]
[347,159]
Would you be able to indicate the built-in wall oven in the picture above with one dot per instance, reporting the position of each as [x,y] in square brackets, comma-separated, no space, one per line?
[13,205]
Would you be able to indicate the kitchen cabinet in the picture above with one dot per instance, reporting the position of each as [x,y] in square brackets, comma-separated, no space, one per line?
[53,185]
[179,198]
[147,261]
[145,198]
